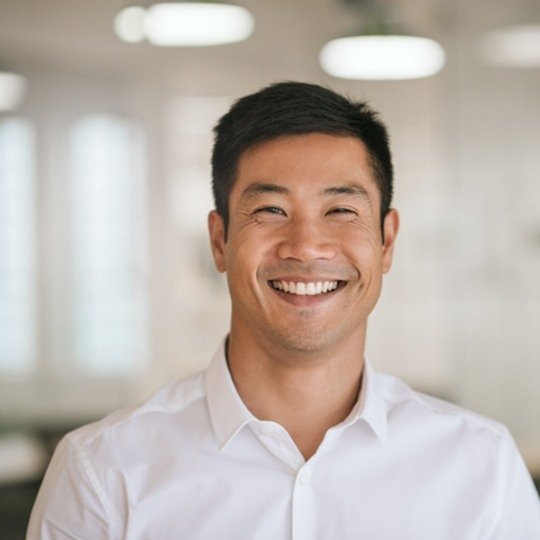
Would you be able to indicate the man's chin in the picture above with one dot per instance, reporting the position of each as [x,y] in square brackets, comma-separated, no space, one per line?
[301,343]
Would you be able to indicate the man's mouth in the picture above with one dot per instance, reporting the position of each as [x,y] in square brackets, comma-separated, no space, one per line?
[301,288]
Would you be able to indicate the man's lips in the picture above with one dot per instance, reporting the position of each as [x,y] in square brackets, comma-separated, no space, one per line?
[305,288]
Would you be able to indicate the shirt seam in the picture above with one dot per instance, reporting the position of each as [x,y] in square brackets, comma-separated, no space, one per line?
[496,429]
[133,415]
[88,470]
[503,471]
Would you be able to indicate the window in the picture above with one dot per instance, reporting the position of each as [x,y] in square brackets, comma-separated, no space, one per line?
[17,247]
[109,299]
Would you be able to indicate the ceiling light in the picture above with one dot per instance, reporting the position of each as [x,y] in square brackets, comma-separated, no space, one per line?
[382,57]
[12,90]
[187,24]
[129,24]
[513,47]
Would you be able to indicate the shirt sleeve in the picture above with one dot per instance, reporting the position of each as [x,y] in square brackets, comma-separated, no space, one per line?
[70,503]
[520,503]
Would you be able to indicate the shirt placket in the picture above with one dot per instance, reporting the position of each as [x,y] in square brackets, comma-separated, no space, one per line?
[303,505]
[303,509]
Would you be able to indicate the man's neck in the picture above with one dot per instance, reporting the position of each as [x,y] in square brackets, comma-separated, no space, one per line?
[306,394]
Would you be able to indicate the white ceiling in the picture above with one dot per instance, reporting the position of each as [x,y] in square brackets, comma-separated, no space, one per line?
[286,42]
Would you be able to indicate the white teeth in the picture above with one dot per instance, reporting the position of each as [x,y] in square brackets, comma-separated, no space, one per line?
[300,288]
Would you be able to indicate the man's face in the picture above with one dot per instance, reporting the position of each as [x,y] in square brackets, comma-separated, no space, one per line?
[304,254]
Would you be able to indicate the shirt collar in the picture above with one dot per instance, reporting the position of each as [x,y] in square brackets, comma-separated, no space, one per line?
[229,414]
[371,406]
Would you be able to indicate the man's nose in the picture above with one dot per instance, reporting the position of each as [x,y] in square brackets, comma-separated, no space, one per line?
[306,240]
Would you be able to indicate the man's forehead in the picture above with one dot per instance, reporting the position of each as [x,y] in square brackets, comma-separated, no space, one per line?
[315,163]
[317,149]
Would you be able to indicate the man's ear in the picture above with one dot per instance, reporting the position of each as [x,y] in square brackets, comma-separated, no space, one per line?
[216,229]
[390,227]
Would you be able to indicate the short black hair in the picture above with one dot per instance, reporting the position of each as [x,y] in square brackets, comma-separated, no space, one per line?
[296,108]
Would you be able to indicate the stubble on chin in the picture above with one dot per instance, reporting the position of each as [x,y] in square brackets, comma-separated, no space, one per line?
[299,345]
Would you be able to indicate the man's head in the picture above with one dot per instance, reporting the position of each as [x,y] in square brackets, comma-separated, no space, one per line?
[302,226]
[293,108]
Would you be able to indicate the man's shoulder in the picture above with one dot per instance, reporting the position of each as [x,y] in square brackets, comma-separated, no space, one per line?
[409,404]
[165,403]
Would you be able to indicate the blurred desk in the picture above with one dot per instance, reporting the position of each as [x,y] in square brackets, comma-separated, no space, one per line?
[23,458]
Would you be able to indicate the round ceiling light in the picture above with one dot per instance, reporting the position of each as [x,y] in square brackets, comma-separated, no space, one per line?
[185,24]
[512,47]
[382,57]
[12,90]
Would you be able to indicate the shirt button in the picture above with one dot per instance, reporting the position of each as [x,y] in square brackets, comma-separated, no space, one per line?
[303,479]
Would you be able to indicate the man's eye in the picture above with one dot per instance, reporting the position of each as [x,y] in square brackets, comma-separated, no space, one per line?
[341,210]
[270,210]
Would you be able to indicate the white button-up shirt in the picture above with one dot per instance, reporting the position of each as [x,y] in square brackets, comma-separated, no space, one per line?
[193,463]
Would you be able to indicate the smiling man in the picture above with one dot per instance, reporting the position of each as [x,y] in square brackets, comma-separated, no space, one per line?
[290,434]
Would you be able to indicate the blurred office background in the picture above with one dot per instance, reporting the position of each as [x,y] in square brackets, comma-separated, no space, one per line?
[107,288]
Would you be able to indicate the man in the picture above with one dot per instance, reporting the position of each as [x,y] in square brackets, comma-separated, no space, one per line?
[290,434]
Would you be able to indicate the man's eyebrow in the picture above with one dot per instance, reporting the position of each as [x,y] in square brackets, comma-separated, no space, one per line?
[356,190]
[257,188]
